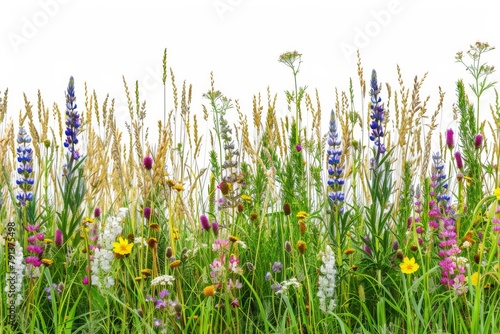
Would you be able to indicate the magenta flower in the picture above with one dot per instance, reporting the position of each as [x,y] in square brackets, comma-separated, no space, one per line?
[298,148]
[59,238]
[147,212]
[478,140]
[85,280]
[458,160]
[97,212]
[205,224]
[450,142]
[148,162]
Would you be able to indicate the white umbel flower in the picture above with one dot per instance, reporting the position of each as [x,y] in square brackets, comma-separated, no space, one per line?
[326,282]
[163,280]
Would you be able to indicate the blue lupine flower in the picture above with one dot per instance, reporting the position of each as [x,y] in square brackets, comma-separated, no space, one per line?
[377,116]
[335,180]
[438,178]
[25,169]
[73,124]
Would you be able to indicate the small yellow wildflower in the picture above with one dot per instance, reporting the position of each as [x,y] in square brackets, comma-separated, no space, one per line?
[232,238]
[47,262]
[88,220]
[48,241]
[497,193]
[178,187]
[302,215]
[301,245]
[246,198]
[146,272]
[409,266]
[175,233]
[122,247]
[155,226]
[474,278]
[348,251]
[209,291]
[175,264]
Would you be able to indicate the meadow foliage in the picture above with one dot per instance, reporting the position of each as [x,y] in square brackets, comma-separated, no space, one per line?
[367,227]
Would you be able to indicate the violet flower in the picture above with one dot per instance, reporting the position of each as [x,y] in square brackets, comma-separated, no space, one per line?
[73,124]
[377,116]
[25,169]
[335,180]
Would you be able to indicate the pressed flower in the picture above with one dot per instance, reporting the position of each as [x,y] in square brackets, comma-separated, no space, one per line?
[302,215]
[301,246]
[209,291]
[175,264]
[408,266]
[122,247]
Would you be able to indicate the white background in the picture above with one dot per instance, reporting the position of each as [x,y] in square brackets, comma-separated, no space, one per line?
[44,42]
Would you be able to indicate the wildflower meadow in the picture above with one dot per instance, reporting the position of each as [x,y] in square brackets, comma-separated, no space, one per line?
[356,217]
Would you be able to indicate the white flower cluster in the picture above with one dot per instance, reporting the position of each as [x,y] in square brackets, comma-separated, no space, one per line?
[163,280]
[15,277]
[283,286]
[103,255]
[326,282]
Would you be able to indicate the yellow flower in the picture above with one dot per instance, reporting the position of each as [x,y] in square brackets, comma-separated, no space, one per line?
[122,247]
[88,220]
[349,251]
[246,198]
[302,215]
[301,245]
[175,264]
[47,262]
[409,266]
[209,291]
[48,241]
[474,278]
[497,193]
[178,187]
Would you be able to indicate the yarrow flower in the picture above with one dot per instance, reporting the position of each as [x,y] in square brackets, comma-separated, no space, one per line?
[377,116]
[25,169]
[163,280]
[335,180]
[326,282]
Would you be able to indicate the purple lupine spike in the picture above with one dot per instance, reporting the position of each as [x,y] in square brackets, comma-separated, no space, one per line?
[25,169]
[334,151]
[73,124]
[377,117]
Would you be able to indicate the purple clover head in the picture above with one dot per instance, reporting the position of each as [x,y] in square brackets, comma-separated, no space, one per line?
[148,162]
[97,212]
[478,140]
[298,148]
[59,238]
[458,160]
[205,224]
[147,212]
[450,141]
